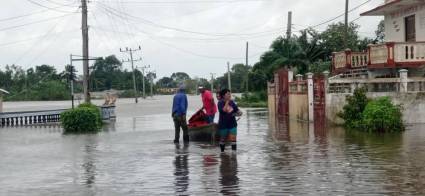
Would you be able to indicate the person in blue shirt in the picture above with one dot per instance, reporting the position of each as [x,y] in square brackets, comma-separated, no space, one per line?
[227,123]
[179,114]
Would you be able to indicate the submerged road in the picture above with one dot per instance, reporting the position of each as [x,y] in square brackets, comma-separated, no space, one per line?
[135,156]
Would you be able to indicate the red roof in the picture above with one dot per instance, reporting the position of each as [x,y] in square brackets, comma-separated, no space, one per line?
[392,7]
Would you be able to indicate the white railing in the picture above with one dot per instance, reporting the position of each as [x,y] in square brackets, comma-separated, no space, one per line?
[358,59]
[409,52]
[378,54]
[45,116]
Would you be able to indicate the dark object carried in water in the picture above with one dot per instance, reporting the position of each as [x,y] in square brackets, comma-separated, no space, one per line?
[200,130]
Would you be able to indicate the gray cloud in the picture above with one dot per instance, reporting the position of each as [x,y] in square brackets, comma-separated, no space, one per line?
[165,49]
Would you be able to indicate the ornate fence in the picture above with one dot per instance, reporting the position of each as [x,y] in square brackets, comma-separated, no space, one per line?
[44,116]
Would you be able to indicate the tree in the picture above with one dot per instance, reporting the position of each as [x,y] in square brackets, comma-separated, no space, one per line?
[333,38]
[180,77]
[380,32]
[106,74]
[166,82]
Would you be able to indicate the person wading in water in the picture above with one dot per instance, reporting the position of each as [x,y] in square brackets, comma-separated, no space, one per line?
[179,114]
[208,104]
[227,123]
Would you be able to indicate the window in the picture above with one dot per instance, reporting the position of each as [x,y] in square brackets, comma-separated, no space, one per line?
[410,28]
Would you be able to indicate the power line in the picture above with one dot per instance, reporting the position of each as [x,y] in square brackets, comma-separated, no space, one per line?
[36,43]
[145,21]
[50,8]
[60,4]
[29,39]
[52,40]
[24,15]
[35,22]
[190,1]
[336,17]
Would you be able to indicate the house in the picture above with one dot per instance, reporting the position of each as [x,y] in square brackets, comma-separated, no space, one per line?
[404,47]
[2,91]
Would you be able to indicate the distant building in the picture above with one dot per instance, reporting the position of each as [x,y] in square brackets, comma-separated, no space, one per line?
[2,91]
[166,91]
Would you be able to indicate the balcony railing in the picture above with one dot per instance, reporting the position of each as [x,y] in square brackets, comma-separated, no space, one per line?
[388,55]
[349,60]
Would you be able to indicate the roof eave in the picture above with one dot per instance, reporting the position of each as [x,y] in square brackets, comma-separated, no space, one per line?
[376,11]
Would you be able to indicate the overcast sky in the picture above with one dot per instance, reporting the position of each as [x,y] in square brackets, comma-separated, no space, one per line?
[193,36]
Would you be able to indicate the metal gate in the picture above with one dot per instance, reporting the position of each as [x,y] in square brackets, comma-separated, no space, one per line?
[282,89]
[319,99]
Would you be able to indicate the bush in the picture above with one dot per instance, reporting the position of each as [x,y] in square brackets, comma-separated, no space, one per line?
[352,111]
[80,120]
[95,110]
[379,115]
[383,116]
[254,99]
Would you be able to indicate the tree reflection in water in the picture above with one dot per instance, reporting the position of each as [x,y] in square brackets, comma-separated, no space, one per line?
[89,160]
[229,179]
[181,172]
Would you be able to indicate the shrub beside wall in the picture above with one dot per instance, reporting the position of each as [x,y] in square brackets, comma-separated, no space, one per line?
[379,115]
[382,116]
[85,118]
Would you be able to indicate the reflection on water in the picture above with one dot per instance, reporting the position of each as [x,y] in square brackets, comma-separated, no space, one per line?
[135,155]
[89,160]
[229,174]
[181,172]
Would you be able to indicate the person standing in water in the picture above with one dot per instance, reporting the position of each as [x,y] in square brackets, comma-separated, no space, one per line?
[208,104]
[227,123]
[179,115]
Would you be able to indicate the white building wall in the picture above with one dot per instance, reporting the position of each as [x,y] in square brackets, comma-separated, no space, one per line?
[395,27]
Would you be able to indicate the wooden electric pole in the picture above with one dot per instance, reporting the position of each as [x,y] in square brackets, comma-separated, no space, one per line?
[85,32]
[289,26]
[131,60]
[212,81]
[143,78]
[247,68]
[229,81]
[346,24]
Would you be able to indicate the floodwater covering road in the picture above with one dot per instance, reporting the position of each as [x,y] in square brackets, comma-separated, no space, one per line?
[135,155]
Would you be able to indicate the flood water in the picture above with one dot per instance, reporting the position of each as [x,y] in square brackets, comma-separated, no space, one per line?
[135,156]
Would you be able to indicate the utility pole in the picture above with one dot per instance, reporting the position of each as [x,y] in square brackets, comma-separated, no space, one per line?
[247,68]
[228,77]
[289,27]
[143,78]
[85,32]
[212,81]
[346,24]
[71,77]
[151,80]
[130,51]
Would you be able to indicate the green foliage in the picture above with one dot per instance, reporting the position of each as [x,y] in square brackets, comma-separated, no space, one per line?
[127,94]
[95,110]
[380,32]
[320,66]
[352,111]
[381,115]
[80,120]
[254,99]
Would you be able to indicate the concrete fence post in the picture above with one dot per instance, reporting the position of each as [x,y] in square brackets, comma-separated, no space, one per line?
[290,76]
[310,87]
[326,75]
[1,102]
[403,80]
